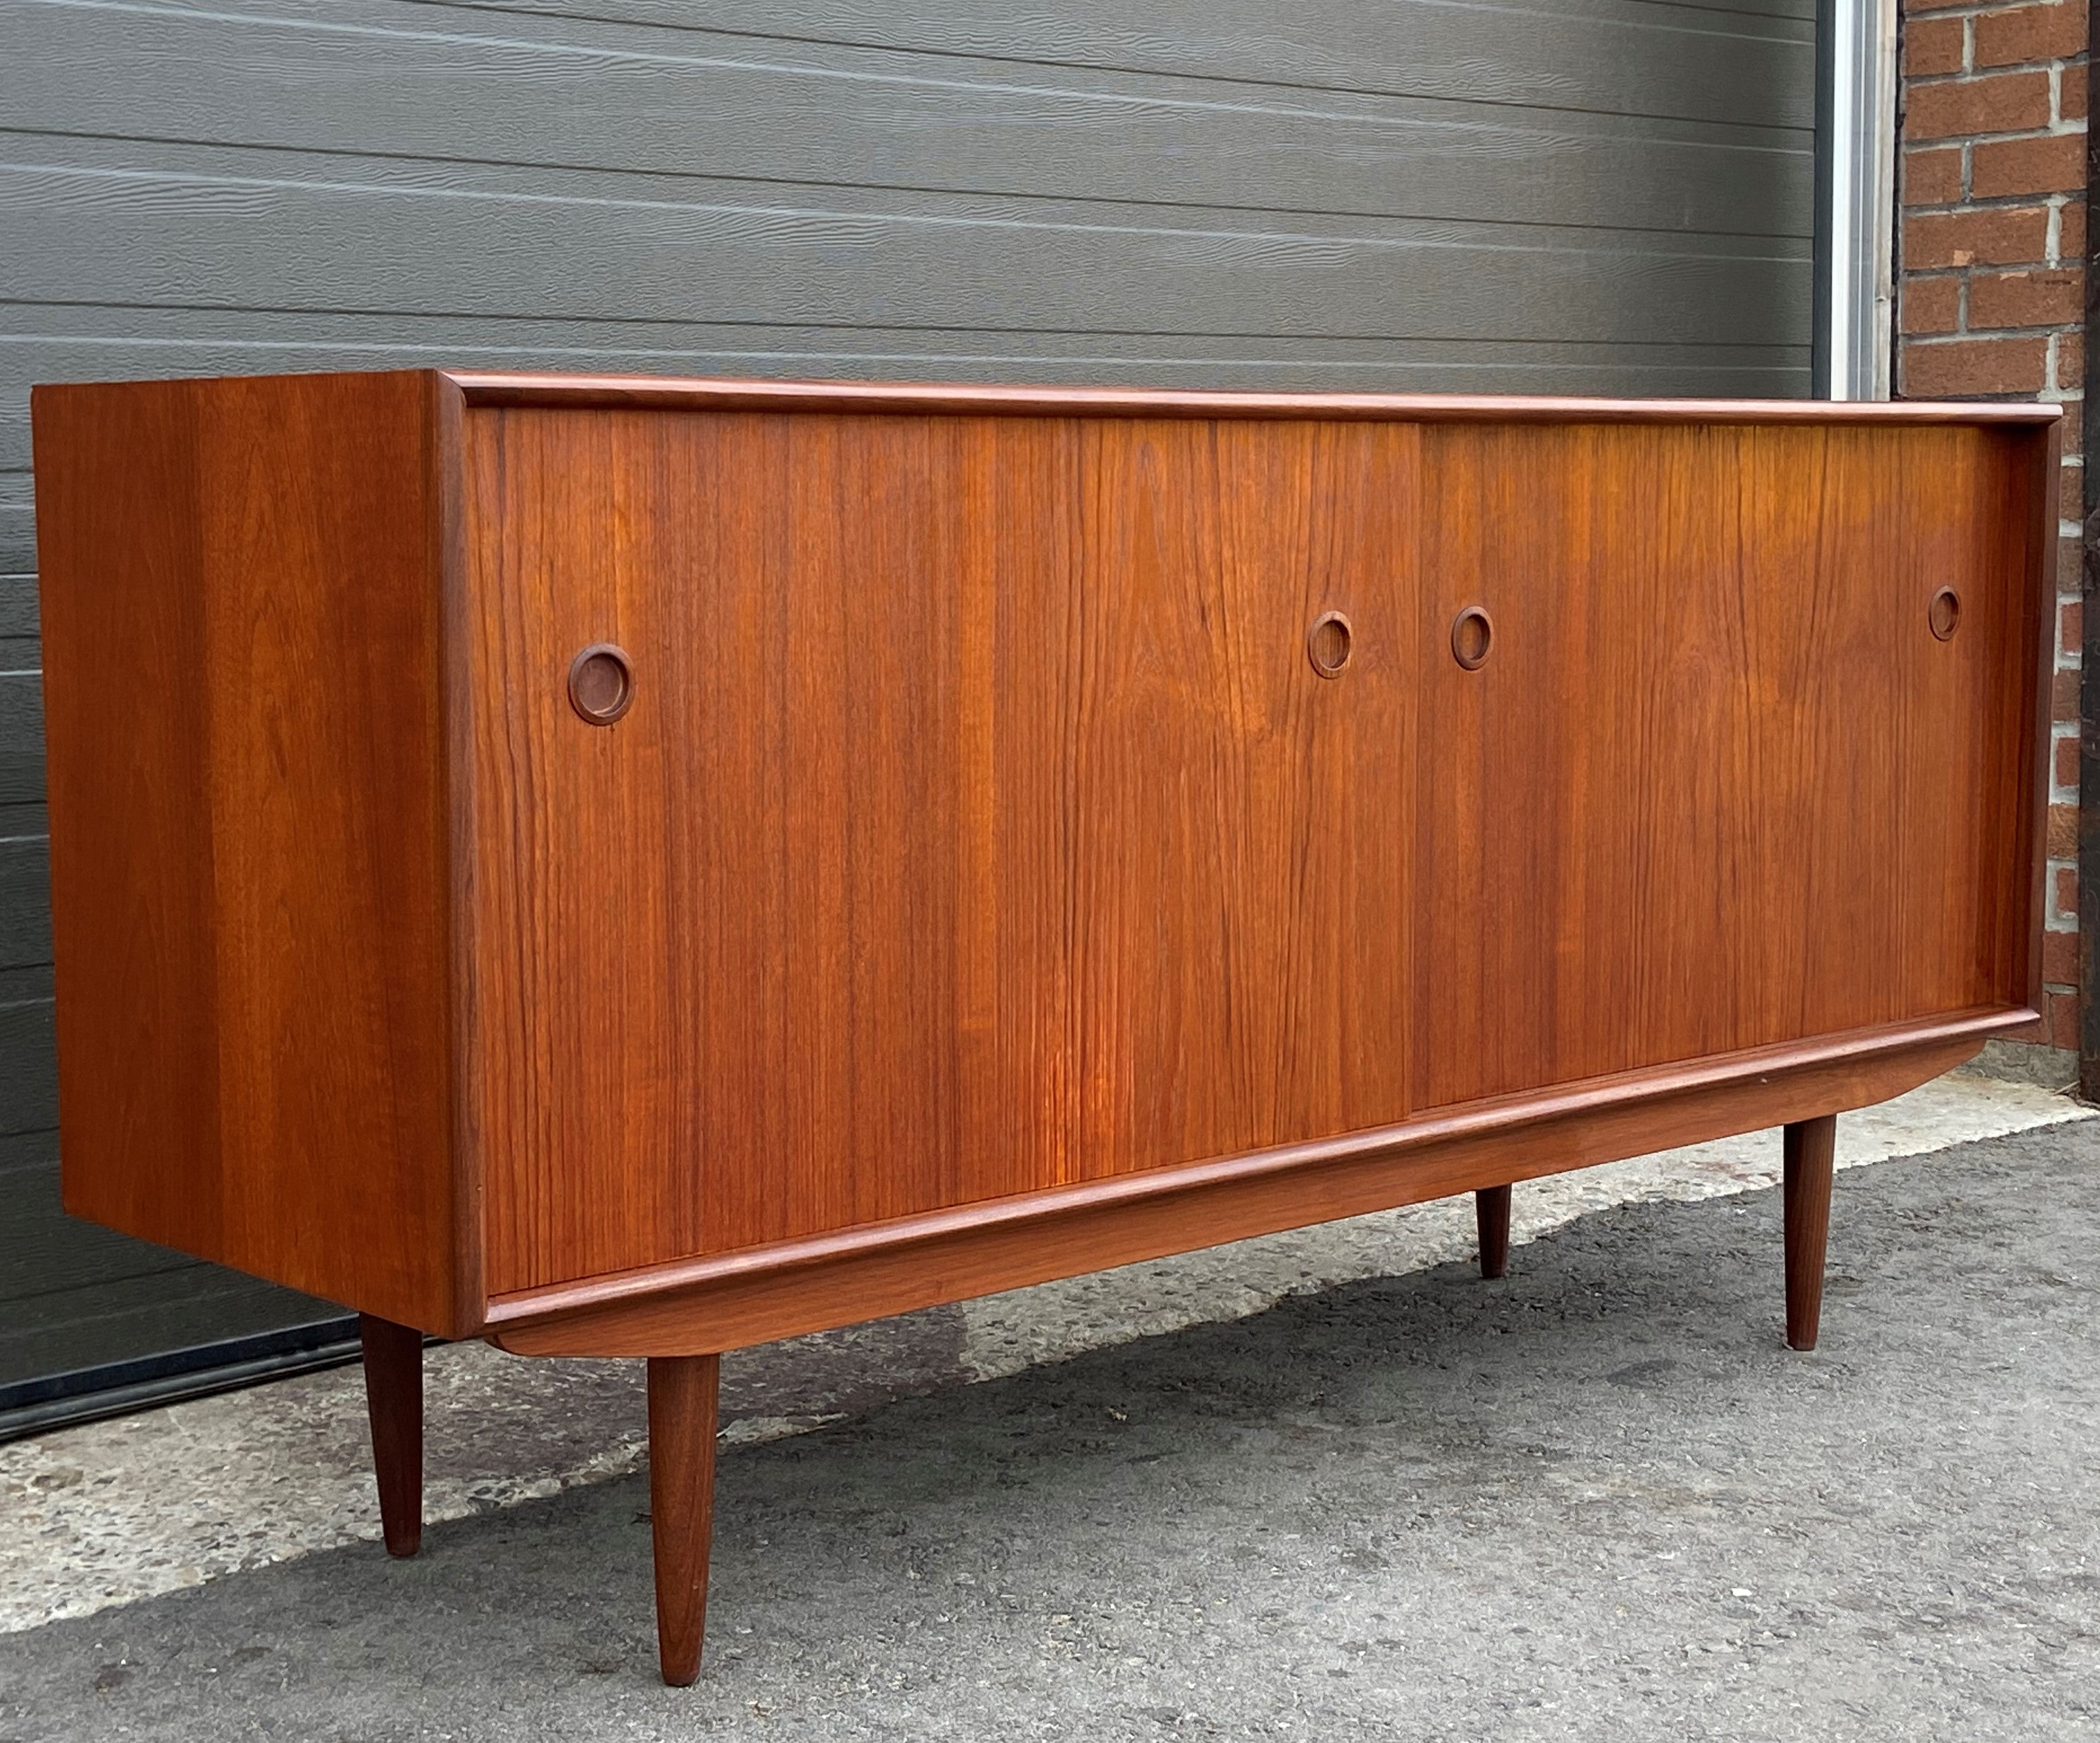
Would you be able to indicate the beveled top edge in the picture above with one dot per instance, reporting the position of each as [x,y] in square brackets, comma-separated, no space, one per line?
[480,387]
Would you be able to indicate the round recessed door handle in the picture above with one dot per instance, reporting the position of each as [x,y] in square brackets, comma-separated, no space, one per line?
[1328,643]
[601,683]
[1472,637]
[1943,613]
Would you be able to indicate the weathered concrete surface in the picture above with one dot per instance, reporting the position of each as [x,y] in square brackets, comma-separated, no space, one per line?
[114,1511]
[1598,1500]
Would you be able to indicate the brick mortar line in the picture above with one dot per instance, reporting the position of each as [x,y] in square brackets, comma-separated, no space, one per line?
[1937,272]
[1908,207]
[1926,341]
[1987,9]
[1945,274]
[2055,130]
[2026,329]
[2037,202]
[1990,69]
[1965,211]
[1980,75]
[1916,145]
[1978,9]
[1998,69]
[1971,144]
[2054,332]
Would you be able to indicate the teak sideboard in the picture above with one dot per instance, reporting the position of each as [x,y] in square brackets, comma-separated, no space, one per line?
[636,867]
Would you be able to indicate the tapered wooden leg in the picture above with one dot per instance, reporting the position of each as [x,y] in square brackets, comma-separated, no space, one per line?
[1491,1210]
[1810,1148]
[683,1391]
[394,1399]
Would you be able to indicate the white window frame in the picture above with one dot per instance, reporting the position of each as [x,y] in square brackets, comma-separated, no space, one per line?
[1857,161]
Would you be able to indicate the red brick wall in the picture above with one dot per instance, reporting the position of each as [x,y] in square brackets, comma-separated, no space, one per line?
[1990,295]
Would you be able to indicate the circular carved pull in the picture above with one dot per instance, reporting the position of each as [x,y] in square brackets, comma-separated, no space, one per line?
[1472,634]
[1944,613]
[601,683]
[1327,643]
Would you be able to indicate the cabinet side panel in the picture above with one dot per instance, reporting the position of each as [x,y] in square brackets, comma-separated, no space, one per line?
[242,643]
[120,555]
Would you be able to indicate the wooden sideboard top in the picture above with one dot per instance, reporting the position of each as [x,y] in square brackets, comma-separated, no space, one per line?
[985,853]
[721,393]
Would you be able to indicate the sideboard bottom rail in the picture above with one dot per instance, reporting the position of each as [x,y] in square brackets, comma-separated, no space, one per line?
[725,1301]
[682,1316]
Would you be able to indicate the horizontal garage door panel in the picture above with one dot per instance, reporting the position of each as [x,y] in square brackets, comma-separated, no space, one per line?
[1604,197]
[25,908]
[209,223]
[654,102]
[1630,56]
[19,639]
[21,739]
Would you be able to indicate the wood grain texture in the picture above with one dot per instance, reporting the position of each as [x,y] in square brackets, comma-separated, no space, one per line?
[1712,652]
[984,884]
[1034,851]
[248,856]
[1810,1156]
[725,1302]
[684,1392]
[488,387]
[1009,740]
[1491,1219]
[394,1403]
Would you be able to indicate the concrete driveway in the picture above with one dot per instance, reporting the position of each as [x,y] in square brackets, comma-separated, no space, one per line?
[1599,1499]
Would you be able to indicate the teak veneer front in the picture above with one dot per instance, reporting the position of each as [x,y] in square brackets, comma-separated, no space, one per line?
[632,867]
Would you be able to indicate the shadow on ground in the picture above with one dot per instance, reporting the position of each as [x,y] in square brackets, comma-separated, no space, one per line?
[1599,1499]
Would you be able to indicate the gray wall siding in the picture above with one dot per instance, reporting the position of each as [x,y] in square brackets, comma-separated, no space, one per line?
[1595,195]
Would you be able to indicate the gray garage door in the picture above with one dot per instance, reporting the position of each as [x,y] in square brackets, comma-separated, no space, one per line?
[1589,195]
